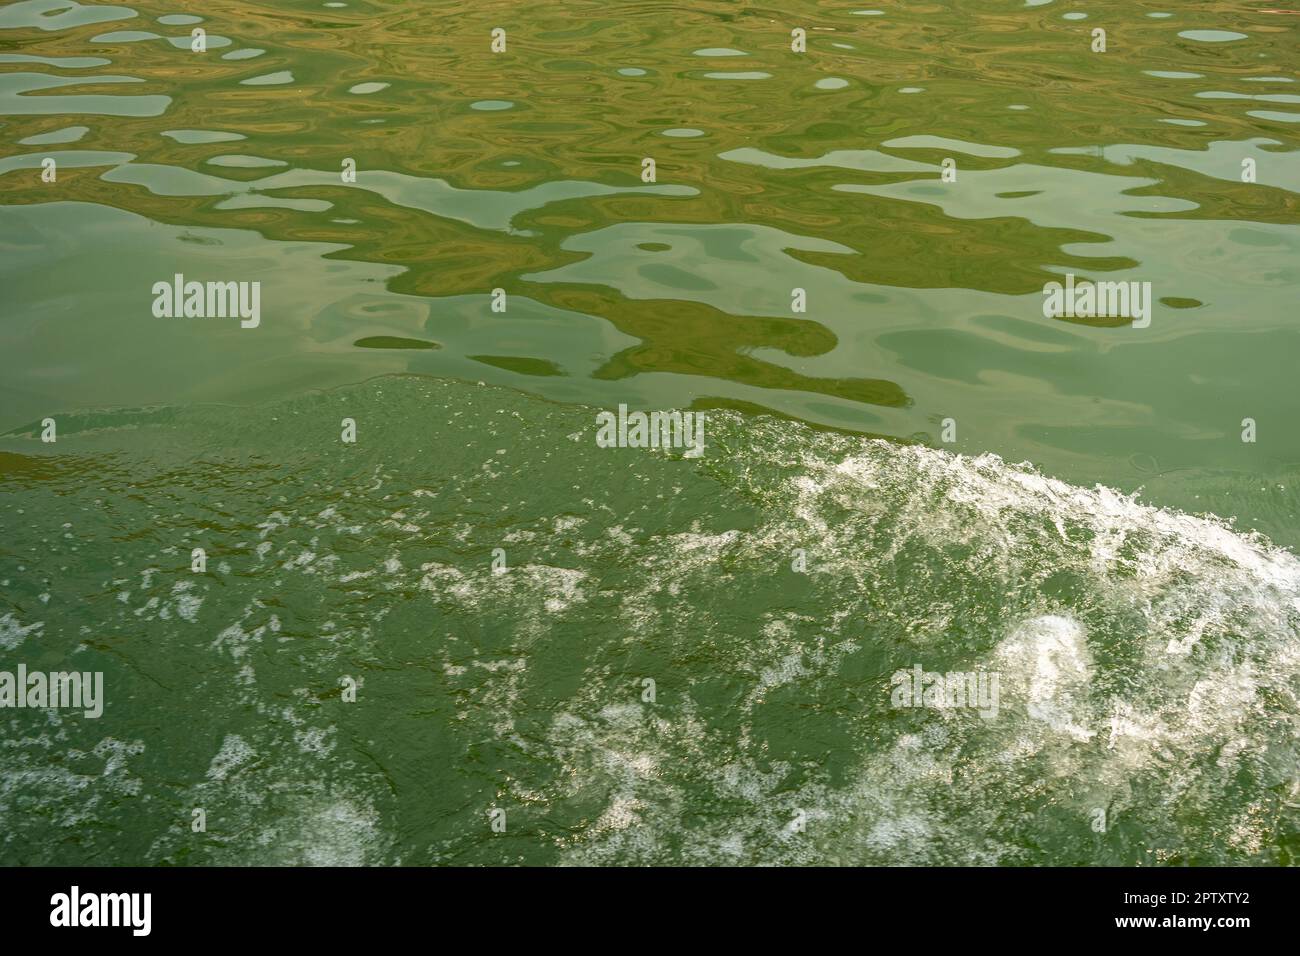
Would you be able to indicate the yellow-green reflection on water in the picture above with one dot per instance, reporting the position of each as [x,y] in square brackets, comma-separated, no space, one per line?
[520,170]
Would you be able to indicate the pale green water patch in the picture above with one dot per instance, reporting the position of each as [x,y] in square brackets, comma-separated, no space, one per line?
[69,134]
[1212,36]
[202,135]
[277,78]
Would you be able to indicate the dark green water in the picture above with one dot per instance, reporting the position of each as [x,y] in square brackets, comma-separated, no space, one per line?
[1145,631]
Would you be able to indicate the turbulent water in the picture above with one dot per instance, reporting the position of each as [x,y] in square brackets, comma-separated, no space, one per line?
[570,654]
[1148,658]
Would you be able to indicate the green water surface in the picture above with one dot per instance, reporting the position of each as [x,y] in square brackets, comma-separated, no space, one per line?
[1169,696]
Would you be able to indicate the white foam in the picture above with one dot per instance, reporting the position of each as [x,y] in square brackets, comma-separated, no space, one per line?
[13,632]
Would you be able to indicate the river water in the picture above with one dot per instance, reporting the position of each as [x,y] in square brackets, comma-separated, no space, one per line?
[472,635]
